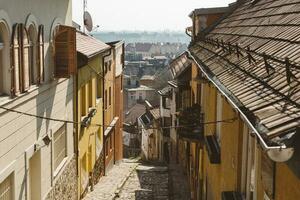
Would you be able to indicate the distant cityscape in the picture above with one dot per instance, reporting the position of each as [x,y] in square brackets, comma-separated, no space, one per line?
[144,37]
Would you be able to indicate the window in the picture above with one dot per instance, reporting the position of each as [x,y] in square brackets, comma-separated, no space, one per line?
[128,82]
[83,101]
[6,190]
[105,96]
[60,150]
[121,83]
[41,59]
[33,68]
[109,65]
[25,68]
[110,142]
[106,148]
[5,86]
[90,95]
[105,67]
[109,95]
[99,86]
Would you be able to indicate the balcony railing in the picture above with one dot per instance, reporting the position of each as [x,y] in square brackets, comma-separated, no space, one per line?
[191,124]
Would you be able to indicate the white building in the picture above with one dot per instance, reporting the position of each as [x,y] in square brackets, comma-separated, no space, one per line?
[36,155]
[139,94]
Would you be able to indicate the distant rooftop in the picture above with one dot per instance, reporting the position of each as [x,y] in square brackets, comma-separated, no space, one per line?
[147,77]
[141,88]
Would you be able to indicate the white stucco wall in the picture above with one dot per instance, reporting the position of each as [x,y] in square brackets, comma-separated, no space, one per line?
[54,99]
[119,64]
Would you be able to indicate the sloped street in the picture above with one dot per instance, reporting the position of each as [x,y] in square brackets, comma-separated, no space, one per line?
[135,180]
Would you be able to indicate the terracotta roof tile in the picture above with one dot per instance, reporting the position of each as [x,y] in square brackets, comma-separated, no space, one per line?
[263,79]
[88,45]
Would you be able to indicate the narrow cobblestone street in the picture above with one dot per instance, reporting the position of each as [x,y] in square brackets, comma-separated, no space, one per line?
[134,180]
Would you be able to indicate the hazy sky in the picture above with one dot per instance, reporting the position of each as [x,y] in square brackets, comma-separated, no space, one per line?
[149,15]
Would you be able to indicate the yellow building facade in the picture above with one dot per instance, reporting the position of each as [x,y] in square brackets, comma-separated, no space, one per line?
[89,110]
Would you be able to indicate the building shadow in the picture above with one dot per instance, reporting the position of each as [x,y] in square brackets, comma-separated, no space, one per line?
[153,180]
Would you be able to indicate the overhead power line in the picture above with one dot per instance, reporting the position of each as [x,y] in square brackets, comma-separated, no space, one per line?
[231,120]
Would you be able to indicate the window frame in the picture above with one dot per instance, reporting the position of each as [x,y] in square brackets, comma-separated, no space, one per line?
[58,168]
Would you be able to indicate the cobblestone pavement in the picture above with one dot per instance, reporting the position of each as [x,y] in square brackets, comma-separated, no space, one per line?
[134,180]
[178,187]
[147,182]
[109,184]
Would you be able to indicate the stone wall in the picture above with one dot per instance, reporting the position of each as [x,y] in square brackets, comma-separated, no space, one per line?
[65,187]
[98,168]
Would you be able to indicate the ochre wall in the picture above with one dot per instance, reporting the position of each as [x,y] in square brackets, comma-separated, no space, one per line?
[119,113]
[287,184]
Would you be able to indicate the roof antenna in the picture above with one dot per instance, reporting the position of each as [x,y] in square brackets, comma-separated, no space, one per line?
[84,9]
[267,64]
[250,57]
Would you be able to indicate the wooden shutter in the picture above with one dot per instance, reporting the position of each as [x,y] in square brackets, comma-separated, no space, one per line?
[15,61]
[41,58]
[25,70]
[65,55]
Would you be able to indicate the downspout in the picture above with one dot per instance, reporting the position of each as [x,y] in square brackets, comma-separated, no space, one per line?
[103,111]
[279,150]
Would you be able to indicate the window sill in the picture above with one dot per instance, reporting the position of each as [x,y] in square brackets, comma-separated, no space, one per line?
[60,167]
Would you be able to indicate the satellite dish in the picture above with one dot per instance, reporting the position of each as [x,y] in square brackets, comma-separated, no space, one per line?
[280,155]
[88,22]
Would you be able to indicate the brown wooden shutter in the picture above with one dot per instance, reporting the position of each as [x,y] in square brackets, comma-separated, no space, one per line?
[41,59]
[65,52]
[15,61]
[25,70]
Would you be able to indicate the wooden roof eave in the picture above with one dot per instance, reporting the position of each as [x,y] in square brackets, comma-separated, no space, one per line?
[250,119]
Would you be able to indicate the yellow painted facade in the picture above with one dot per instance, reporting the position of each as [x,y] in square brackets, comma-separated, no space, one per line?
[90,138]
[244,167]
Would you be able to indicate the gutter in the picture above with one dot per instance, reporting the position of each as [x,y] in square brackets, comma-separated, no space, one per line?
[279,153]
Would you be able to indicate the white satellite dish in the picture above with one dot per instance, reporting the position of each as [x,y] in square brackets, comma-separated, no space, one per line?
[280,155]
[88,22]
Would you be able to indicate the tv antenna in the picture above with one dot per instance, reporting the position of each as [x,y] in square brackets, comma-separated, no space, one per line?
[87,19]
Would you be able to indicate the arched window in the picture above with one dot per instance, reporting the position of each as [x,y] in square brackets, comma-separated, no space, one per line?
[15,54]
[25,70]
[4,60]
[33,54]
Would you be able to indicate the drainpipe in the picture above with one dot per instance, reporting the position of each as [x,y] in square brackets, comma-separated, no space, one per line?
[279,153]
[103,111]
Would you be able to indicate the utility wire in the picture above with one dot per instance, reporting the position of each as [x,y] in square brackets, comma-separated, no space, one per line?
[231,120]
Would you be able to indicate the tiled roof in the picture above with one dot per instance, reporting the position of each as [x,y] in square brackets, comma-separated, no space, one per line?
[147,77]
[253,55]
[207,11]
[143,47]
[136,111]
[155,113]
[88,45]
[141,88]
[166,91]
[180,64]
